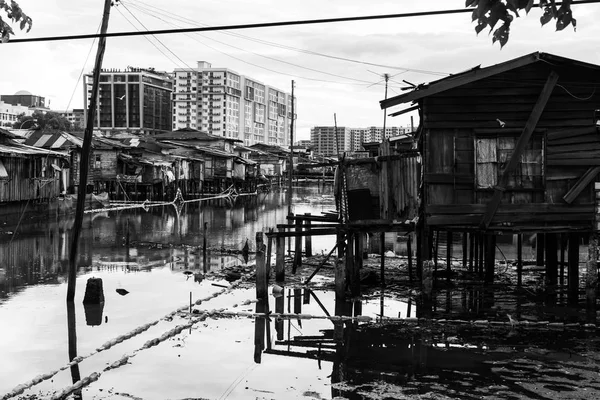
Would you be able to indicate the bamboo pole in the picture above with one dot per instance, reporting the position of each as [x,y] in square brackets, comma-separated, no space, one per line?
[85,156]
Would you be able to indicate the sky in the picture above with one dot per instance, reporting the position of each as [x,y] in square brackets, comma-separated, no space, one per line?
[416,49]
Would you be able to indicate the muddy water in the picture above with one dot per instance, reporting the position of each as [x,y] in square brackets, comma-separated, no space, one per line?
[147,253]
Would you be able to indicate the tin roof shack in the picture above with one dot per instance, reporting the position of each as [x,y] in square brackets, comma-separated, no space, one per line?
[104,163]
[271,160]
[29,173]
[509,148]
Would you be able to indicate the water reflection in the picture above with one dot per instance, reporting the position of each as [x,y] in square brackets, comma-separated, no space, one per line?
[138,240]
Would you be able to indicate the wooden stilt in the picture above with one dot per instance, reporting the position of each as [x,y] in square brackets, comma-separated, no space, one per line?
[350,265]
[409,255]
[307,238]
[471,250]
[573,275]
[519,259]
[261,269]
[382,266]
[298,247]
[449,243]
[490,258]
[464,249]
[481,255]
[435,255]
[550,245]
[280,257]
[340,282]
[540,245]
[269,251]
[561,274]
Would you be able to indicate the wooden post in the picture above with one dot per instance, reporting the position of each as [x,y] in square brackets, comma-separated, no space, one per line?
[573,275]
[490,258]
[279,308]
[261,269]
[382,266]
[85,157]
[449,243]
[204,250]
[551,245]
[519,259]
[540,245]
[308,238]
[262,306]
[269,251]
[464,249]
[472,247]
[409,253]
[481,254]
[297,246]
[359,243]
[340,281]
[561,274]
[350,265]
[280,257]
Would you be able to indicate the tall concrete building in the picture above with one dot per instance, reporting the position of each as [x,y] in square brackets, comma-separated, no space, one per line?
[225,103]
[329,141]
[134,100]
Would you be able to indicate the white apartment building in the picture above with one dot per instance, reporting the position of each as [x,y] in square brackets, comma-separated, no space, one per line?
[329,141]
[222,102]
[9,113]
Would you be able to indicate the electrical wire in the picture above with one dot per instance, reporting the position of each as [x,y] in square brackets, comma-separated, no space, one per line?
[154,36]
[262,55]
[264,24]
[82,70]
[278,45]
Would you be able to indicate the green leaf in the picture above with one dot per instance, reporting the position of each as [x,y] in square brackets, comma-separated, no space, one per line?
[481,25]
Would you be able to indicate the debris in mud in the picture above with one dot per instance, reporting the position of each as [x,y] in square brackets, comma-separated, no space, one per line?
[122,291]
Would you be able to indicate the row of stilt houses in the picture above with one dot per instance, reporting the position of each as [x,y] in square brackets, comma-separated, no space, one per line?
[41,166]
[508,153]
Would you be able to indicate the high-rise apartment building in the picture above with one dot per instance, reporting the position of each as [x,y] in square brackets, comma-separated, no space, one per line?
[135,100]
[222,102]
[331,141]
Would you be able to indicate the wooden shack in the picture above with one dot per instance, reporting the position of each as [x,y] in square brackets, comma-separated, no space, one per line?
[510,148]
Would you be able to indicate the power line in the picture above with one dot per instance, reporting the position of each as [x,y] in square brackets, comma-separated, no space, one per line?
[263,24]
[143,6]
[82,70]
[155,38]
[149,41]
[264,56]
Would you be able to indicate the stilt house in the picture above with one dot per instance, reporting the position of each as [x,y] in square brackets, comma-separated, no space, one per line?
[514,147]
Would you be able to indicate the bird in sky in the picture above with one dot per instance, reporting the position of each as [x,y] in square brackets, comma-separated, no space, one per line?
[121,98]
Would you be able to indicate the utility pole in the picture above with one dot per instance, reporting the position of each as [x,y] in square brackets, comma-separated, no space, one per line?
[337,145]
[387,78]
[291,161]
[85,156]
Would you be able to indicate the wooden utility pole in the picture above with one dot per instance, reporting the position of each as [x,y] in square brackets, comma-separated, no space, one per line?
[387,78]
[291,162]
[85,156]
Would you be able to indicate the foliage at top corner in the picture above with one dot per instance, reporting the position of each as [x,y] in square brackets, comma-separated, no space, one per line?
[489,13]
[15,15]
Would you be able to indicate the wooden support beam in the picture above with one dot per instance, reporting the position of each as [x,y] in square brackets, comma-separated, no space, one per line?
[563,247]
[465,243]
[382,265]
[573,274]
[280,258]
[269,251]
[519,259]
[449,243]
[472,247]
[298,247]
[490,258]
[551,267]
[581,184]
[540,244]
[321,264]
[308,237]
[519,148]
[409,255]
[261,269]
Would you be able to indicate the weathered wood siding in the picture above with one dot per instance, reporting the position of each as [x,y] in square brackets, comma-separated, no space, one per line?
[463,143]
[103,165]
[30,178]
